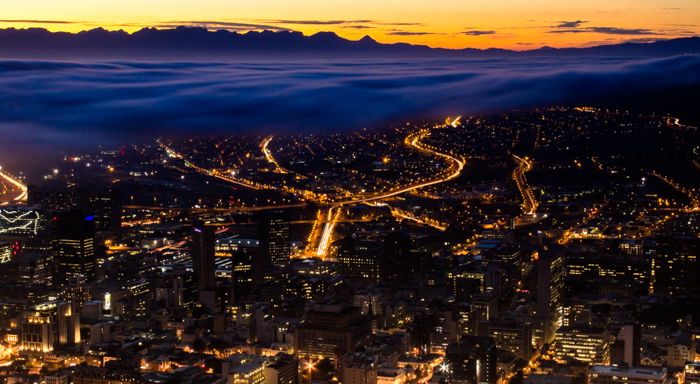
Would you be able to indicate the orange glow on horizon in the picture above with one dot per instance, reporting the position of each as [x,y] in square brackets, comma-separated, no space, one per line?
[510,24]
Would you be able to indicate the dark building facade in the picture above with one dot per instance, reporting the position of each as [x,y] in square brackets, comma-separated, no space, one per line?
[274,237]
[675,266]
[74,246]
[472,361]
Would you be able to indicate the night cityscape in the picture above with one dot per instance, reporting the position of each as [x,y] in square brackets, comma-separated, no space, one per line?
[261,201]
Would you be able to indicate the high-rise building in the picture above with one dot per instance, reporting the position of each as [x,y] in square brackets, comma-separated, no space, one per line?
[358,259]
[550,289]
[331,330]
[358,369]
[464,284]
[56,198]
[203,249]
[47,325]
[590,345]
[397,251]
[246,264]
[675,267]
[691,372]
[247,373]
[74,246]
[274,237]
[512,336]
[626,349]
[473,360]
[283,369]
[106,205]
[37,333]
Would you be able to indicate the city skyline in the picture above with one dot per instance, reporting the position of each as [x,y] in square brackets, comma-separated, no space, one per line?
[278,192]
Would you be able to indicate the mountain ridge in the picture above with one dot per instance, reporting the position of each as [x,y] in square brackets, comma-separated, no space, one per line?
[187,41]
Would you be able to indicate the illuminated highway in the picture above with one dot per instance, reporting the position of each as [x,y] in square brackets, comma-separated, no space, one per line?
[413,141]
[322,230]
[405,215]
[232,209]
[308,195]
[529,201]
[694,200]
[231,179]
[268,155]
[21,188]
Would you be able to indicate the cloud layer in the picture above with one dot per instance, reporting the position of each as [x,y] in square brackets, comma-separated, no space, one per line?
[54,104]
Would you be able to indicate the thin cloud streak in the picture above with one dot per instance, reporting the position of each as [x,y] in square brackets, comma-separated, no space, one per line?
[609,31]
[39,21]
[570,24]
[478,33]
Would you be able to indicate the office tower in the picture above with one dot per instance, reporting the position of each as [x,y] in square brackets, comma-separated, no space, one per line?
[471,361]
[56,198]
[397,251]
[247,373]
[691,372]
[74,246]
[550,290]
[605,374]
[68,321]
[465,283]
[77,291]
[626,348]
[203,249]
[247,267]
[331,330]
[513,336]
[283,369]
[485,304]
[135,299]
[37,333]
[590,345]
[30,268]
[674,266]
[106,205]
[358,368]
[274,237]
[358,259]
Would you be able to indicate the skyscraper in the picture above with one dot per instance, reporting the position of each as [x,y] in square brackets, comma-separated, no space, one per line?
[274,237]
[550,289]
[106,205]
[246,266]
[74,246]
[674,266]
[330,330]
[203,248]
[472,360]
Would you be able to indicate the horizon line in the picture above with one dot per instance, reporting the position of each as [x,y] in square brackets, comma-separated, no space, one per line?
[119,28]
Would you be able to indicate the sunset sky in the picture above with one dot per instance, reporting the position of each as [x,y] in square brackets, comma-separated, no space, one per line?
[514,24]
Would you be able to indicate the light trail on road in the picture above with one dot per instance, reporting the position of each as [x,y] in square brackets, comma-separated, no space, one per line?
[530,204]
[268,155]
[22,197]
[694,200]
[242,182]
[413,141]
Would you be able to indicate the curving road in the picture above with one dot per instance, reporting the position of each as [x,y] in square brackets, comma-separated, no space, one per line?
[20,188]
[529,201]
[414,141]
[268,155]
